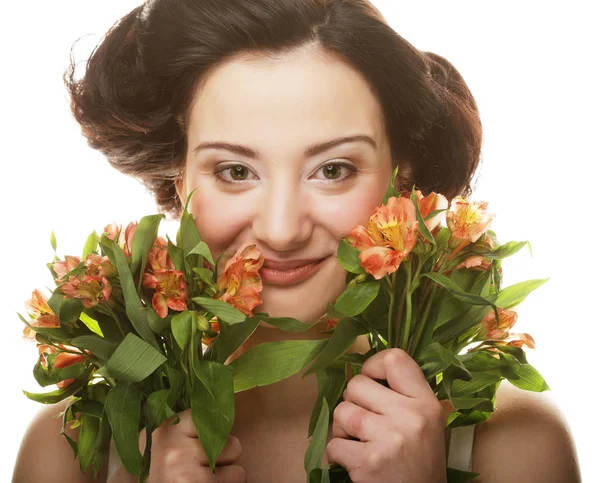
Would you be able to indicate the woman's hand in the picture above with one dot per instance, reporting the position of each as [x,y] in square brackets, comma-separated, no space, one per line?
[177,455]
[401,428]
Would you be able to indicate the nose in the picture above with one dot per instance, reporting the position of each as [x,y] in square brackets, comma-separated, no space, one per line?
[282,221]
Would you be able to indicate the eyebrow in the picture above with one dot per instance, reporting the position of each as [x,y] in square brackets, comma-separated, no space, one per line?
[311,150]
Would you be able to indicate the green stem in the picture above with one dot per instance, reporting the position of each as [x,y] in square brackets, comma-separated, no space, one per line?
[407,298]
[391,310]
[414,343]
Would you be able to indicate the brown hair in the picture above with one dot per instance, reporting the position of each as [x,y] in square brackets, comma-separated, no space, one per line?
[132,102]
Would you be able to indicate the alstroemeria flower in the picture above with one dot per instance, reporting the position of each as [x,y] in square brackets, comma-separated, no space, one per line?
[497,329]
[214,326]
[468,220]
[91,290]
[66,359]
[430,203]
[98,266]
[171,291]
[125,239]
[63,267]
[158,256]
[332,322]
[241,279]
[42,314]
[390,236]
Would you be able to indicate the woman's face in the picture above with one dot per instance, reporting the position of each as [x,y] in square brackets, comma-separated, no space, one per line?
[280,176]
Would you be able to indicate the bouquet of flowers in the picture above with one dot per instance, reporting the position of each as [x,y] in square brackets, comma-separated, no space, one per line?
[436,292]
[122,334]
[140,328]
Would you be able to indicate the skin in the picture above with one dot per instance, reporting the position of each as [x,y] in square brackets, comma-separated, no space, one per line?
[286,204]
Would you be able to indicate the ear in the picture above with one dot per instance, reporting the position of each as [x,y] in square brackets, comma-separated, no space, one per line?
[180,188]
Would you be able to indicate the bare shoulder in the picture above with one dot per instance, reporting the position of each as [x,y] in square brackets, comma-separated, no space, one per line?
[45,455]
[525,440]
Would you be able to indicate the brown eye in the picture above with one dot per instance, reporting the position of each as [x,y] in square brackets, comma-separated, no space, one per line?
[238,173]
[332,171]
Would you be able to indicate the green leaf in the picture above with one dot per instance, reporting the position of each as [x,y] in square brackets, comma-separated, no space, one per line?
[480,381]
[176,255]
[53,241]
[99,347]
[188,236]
[181,326]
[225,312]
[456,291]
[356,299]
[316,447]
[156,409]
[102,448]
[515,294]
[58,395]
[133,304]
[91,324]
[331,381]
[459,476]
[271,362]
[205,274]
[286,324]
[212,406]
[202,249]
[345,334]
[122,406]
[530,379]
[133,360]
[506,250]
[144,237]
[230,339]
[391,191]
[91,245]
[86,442]
[347,256]
[435,358]
[423,230]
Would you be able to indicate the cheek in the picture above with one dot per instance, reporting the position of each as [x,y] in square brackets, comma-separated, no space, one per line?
[344,213]
[219,219]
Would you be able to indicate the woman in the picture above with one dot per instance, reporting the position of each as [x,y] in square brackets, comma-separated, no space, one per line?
[288,117]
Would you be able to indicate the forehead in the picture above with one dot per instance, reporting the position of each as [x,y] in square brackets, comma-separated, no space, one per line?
[284,102]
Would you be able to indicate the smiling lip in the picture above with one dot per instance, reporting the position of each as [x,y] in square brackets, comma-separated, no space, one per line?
[289,273]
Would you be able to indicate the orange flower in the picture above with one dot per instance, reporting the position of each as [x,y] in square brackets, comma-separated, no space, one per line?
[468,220]
[241,279]
[125,240]
[214,326]
[497,329]
[42,314]
[476,262]
[520,339]
[430,203]
[390,236]
[332,322]
[158,256]
[91,290]
[98,266]
[62,268]
[171,291]
[65,359]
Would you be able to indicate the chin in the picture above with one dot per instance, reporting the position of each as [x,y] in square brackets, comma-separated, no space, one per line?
[306,301]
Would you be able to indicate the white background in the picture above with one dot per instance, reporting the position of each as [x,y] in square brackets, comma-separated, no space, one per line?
[533,69]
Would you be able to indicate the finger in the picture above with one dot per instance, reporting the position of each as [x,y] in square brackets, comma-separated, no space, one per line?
[357,422]
[232,451]
[369,394]
[345,452]
[222,474]
[400,370]
[185,425]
